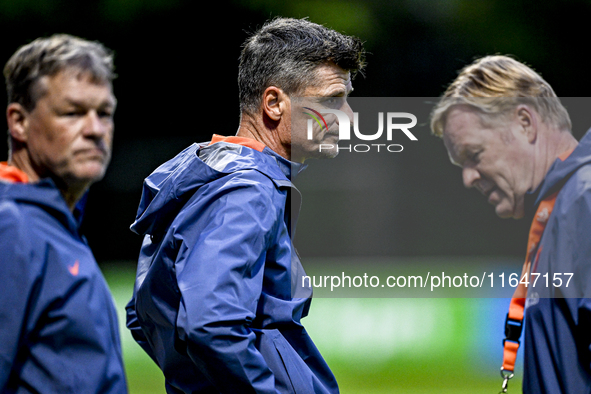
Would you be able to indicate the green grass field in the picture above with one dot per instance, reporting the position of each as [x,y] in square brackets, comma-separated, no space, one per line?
[385,345]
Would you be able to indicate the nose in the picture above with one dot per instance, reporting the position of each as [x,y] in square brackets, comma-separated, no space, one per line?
[347,110]
[96,126]
[470,175]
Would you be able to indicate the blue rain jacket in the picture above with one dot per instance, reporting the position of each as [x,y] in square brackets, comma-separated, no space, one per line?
[557,347]
[58,324]
[216,302]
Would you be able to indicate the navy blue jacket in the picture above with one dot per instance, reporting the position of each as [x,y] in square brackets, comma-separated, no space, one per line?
[216,301]
[58,324]
[557,348]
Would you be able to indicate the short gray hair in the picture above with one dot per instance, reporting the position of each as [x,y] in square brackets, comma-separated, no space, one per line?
[50,55]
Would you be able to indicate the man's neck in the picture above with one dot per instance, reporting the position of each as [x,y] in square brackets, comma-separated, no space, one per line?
[265,132]
[554,144]
[20,159]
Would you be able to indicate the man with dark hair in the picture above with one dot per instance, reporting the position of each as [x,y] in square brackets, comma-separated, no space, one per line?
[502,123]
[217,302]
[58,330]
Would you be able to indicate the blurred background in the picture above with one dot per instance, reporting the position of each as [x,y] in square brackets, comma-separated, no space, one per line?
[177,65]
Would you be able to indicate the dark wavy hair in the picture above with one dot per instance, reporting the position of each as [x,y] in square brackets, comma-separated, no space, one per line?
[285,53]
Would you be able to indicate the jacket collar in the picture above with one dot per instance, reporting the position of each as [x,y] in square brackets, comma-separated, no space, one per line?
[562,169]
[289,168]
[47,196]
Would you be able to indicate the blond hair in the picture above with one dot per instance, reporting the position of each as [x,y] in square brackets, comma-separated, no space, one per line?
[494,85]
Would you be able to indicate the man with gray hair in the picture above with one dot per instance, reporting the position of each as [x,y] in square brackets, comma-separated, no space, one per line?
[59,330]
[504,126]
[217,301]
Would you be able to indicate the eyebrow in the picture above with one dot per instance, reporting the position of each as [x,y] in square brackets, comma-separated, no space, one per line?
[340,92]
[108,103]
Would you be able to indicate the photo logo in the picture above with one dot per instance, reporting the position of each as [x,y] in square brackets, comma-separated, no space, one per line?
[317,117]
[393,124]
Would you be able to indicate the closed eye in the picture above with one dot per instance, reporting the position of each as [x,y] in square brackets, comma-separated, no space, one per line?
[105,114]
[73,113]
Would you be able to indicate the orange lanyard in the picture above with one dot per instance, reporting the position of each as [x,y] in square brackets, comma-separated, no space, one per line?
[514,320]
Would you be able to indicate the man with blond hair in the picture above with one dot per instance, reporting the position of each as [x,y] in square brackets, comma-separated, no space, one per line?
[504,126]
[58,324]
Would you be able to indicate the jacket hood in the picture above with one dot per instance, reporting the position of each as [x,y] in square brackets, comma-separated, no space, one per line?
[48,197]
[561,171]
[171,185]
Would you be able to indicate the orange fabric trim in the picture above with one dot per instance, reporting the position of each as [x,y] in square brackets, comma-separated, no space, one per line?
[566,154]
[517,305]
[248,142]
[12,174]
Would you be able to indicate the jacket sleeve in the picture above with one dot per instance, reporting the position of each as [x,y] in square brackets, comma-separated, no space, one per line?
[220,270]
[16,281]
[132,323]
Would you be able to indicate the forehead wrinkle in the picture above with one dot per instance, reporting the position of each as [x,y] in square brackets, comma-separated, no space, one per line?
[454,149]
[329,74]
[462,138]
[85,98]
[83,93]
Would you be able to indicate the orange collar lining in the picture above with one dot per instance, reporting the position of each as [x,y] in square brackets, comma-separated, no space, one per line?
[12,174]
[248,142]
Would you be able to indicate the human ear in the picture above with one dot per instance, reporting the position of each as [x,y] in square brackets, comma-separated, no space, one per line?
[17,119]
[274,102]
[528,122]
